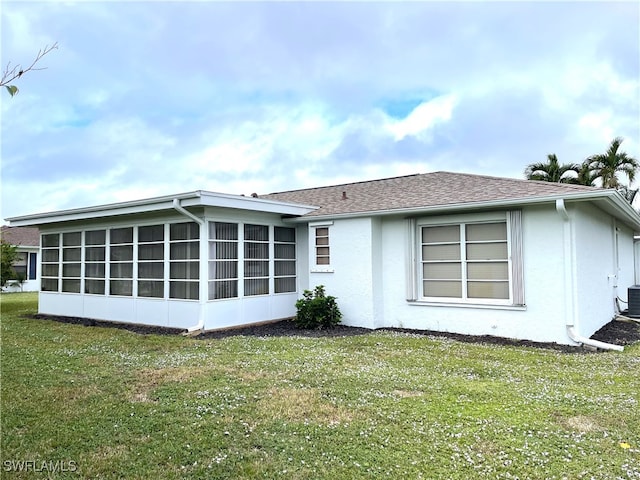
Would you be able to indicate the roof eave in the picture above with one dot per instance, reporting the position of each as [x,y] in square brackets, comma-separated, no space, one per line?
[191,199]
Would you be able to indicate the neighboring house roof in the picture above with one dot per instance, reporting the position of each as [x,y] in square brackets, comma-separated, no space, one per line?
[24,236]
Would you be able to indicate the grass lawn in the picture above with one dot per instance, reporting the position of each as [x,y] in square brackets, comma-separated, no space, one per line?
[109,403]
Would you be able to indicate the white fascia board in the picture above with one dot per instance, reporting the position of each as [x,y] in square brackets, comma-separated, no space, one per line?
[617,206]
[191,199]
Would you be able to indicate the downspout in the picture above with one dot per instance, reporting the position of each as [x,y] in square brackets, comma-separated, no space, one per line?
[572,330]
[198,327]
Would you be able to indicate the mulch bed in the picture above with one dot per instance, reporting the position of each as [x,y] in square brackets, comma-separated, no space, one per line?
[616,332]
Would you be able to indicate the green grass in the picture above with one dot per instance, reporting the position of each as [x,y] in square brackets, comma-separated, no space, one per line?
[382,405]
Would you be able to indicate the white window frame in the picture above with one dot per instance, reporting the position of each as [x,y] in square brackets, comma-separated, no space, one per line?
[513,222]
[313,248]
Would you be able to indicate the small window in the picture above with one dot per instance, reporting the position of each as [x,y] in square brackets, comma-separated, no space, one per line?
[322,246]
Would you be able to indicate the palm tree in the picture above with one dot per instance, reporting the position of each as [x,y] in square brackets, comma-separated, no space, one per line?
[552,171]
[607,165]
[586,176]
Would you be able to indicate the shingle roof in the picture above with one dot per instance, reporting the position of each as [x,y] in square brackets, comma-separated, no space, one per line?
[25,236]
[421,190]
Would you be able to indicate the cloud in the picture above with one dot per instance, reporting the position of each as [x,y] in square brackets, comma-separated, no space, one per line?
[151,98]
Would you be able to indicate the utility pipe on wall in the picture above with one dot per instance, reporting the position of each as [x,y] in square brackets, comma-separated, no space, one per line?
[202,292]
[572,331]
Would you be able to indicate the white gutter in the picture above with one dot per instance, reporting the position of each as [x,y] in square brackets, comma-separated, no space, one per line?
[203,254]
[570,311]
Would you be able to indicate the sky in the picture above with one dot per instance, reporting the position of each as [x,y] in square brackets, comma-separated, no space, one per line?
[150,98]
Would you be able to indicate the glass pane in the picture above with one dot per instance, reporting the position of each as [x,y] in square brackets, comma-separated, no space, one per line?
[488,290]
[121,287]
[184,251]
[71,286]
[121,235]
[153,233]
[256,250]
[223,250]
[256,286]
[49,285]
[323,251]
[94,254]
[223,231]
[151,251]
[95,237]
[50,255]
[487,251]
[33,262]
[441,252]
[184,290]
[449,233]
[256,232]
[442,271]
[50,270]
[51,240]
[284,268]
[322,260]
[121,270]
[256,269]
[71,270]
[442,289]
[488,271]
[151,270]
[94,286]
[223,289]
[123,253]
[283,285]
[285,251]
[184,270]
[486,231]
[322,240]
[284,234]
[72,239]
[147,288]
[184,231]
[220,269]
[71,254]
[322,232]
[94,270]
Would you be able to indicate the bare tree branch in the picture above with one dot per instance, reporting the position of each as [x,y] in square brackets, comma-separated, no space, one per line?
[12,73]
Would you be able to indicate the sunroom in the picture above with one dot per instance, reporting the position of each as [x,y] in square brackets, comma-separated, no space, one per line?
[195,261]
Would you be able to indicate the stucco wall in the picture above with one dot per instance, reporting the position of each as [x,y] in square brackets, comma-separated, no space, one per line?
[540,320]
[604,266]
[350,277]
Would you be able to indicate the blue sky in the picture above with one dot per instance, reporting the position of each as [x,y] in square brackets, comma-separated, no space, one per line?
[153,98]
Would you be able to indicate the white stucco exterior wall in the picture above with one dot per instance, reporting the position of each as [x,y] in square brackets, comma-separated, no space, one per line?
[369,277]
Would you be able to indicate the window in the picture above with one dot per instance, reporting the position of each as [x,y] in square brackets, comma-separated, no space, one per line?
[151,261]
[285,259]
[71,261]
[121,261]
[472,262]
[50,262]
[322,246]
[94,257]
[256,260]
[184,266]
[20,265]
[223,260]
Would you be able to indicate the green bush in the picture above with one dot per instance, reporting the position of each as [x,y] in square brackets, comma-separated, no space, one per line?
[317,310]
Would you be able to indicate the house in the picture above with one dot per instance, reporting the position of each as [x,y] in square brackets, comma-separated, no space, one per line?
[441,251]
[27,241]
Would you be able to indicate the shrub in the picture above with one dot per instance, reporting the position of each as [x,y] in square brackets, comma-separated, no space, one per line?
[317,310]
